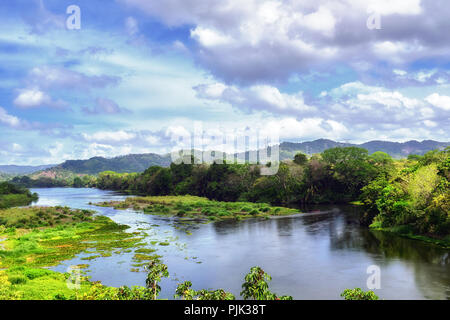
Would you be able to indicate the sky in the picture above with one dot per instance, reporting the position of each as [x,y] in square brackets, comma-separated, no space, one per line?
[137,73]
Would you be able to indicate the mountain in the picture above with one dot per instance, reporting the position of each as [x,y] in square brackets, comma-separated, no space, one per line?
[128,163]
[15,170]
[395,149]
[140,162]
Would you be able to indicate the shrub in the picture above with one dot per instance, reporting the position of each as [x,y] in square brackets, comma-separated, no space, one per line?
[358,294]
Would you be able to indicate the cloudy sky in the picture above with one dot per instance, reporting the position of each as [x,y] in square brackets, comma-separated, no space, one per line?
[138,71]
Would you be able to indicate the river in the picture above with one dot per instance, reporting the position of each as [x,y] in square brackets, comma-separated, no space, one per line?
[311,256]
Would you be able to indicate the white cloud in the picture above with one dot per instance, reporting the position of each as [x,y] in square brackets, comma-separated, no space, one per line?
[268,40]
[442,102]
[34,98]
[258,97]
[109,136]
[307,128]
[59,77]
[388,7]
[8,119]
[209,37]
[430,124]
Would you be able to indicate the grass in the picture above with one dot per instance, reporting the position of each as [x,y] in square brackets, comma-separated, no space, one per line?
[26,283]
[37,237]
[35,217]
[198,207]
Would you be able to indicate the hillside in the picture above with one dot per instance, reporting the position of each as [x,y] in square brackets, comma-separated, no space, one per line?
[122,164]
[140,162]
[394,149]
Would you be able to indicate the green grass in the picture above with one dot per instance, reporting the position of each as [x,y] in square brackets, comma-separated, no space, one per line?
[37,237]
[36,284]
[198,207]
[35,217]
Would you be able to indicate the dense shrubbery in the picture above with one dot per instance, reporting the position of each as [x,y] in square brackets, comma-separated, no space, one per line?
[12,195]
[414,199]
[336,175]
[64,179]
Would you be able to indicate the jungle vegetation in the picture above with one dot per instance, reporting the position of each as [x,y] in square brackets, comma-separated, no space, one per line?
[408,196]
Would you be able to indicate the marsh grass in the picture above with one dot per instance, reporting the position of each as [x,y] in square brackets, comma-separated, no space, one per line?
[36,237]
[198,207]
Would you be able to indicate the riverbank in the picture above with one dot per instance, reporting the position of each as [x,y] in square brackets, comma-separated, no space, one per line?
[35,238]
[404,232]
[193,207]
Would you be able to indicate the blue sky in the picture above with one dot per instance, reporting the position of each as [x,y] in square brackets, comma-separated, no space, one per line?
[139,71]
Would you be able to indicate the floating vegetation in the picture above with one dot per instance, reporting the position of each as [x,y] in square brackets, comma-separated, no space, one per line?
[198,208]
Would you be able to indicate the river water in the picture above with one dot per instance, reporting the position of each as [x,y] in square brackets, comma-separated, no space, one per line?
[315,255]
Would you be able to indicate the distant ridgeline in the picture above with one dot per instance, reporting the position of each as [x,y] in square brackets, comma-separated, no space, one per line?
[396,150]
[76,171]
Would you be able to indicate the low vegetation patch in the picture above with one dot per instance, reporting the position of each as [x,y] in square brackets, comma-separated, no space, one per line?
[33,238]
[198,207]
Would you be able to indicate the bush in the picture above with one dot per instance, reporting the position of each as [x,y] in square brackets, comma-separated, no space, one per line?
[358,294]
[17,279]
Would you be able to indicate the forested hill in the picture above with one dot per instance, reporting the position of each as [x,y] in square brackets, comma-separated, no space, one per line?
[122,164]
[394,149]
[140,162]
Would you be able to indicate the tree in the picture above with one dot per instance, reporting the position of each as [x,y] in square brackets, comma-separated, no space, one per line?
[300,159]
[256,286]
[185,291]
[156,271]
[351,169]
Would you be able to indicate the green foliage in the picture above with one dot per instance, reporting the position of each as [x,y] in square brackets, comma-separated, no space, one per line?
[185,292]
[256,286]
[300,159]
[156,271]
[358,294]
[415,199]
[100,292]
[12,195]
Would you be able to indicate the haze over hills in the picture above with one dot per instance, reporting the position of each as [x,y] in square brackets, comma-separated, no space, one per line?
[140,162]
[14,170]
[394,149]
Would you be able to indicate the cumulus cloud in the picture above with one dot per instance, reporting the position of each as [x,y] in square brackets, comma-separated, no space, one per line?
[255,98]
[442,102]
[34,98]
[9,120]
[268,40]
[308,128]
